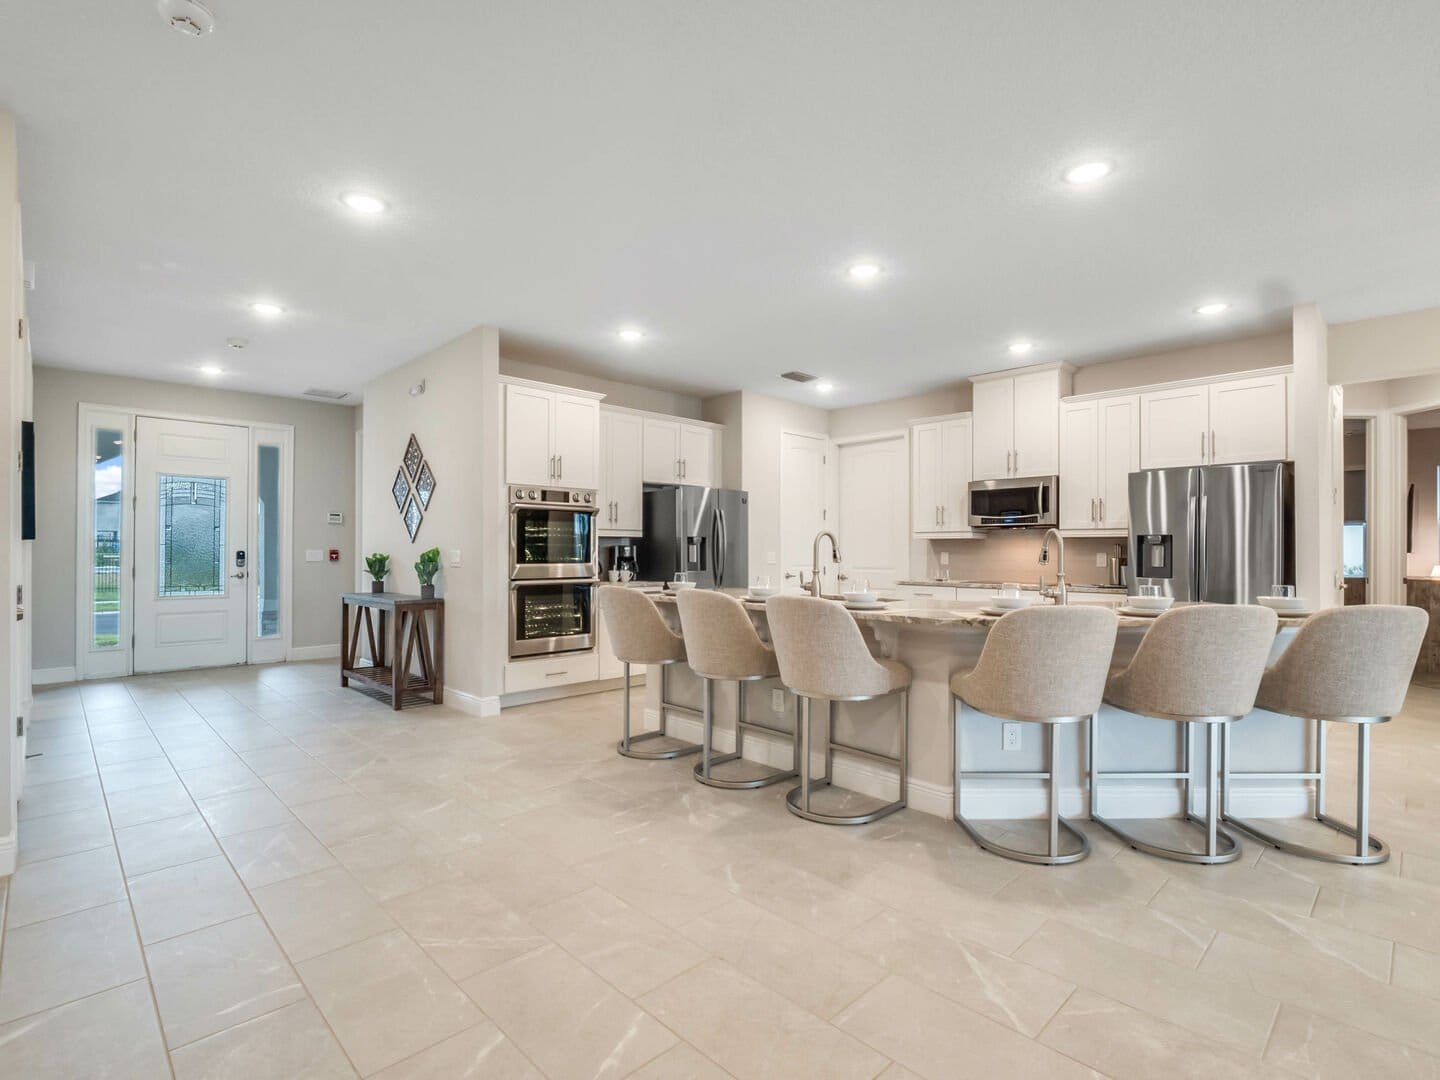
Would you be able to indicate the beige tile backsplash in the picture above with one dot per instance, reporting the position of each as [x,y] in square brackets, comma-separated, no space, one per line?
[1012,556]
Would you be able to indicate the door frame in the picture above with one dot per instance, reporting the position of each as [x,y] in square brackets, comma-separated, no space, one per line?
[120,661]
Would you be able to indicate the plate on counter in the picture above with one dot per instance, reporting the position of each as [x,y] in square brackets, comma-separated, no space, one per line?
[1141,612]
[864,605]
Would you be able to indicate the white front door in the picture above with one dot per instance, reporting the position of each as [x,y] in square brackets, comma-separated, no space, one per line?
[191,523]
[873,494]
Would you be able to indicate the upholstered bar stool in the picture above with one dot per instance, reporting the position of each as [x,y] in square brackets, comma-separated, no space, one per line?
[1346,666]
[721,643]
[823,656]
[1196,666]
[638,635]
[1040,665]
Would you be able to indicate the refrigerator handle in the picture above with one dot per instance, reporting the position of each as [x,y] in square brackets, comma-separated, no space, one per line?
[724,542]
[1202,585]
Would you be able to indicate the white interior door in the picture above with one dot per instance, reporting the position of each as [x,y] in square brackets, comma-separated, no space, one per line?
[872,512]
[802,506]
[191,528]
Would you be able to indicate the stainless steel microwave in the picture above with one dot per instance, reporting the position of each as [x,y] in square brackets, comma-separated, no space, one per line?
[1017,502]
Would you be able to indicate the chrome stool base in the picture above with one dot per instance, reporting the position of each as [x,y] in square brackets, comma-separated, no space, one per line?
[1220,846]
[1370,850]
[626,746]
[797,800]
[1054,858]
[767,774]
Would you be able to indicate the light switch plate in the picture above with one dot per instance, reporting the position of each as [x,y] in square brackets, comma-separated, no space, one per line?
[770,559]
[453,558]
[1100,559]
[944,558]
[314,555]
[777,701]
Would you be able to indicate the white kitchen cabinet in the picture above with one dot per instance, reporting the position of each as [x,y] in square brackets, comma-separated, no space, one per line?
[1248,420]
[608,665]
[1017,423]
[1225,422]
[551,436]
[925,592]
[940,477]
[545,672]
[680,453]
[622,489]
[1099,449]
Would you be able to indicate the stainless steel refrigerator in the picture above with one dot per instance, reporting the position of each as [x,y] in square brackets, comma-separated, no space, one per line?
[699,530]
[1223,534]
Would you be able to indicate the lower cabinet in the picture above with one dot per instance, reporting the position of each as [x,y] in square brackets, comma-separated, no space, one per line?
[925,592]
[547,671]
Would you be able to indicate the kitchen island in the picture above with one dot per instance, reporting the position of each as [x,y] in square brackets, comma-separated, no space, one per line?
[937,639]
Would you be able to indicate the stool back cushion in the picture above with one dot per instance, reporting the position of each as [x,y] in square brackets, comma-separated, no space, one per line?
[1350,661]
[638,634]
[1204,660]
[822,651]
[1044,662]
[720,639]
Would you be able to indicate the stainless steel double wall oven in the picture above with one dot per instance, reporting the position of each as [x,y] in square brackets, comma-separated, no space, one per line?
[554,569]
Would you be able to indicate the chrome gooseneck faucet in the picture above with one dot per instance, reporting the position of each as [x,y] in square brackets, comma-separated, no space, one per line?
[1061,591]
[815,558]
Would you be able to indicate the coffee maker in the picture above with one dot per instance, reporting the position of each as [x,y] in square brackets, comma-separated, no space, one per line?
[622,558]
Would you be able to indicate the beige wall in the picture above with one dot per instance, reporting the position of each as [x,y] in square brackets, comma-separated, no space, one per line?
[728,410]
[1390,347]
[763,421]
[1014,556]
[456,422]
[1192,362]
[894,415]
[626,395]
[1424,444]
[324,481]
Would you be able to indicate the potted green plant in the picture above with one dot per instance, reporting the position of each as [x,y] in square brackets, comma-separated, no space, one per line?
[378,567]
[426,568]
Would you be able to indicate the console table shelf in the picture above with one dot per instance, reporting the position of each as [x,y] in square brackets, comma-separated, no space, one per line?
[407,637]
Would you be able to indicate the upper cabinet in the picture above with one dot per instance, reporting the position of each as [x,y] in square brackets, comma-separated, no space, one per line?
[552,436]
[1017,423]
[678,452]
[1219,423]
[621,473]
[940,477]
[1099,449]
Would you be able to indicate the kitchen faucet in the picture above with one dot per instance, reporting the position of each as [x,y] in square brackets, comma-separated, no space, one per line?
[1061,591]
[815,558]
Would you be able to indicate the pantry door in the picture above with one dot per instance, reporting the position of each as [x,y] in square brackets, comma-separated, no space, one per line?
[191,523]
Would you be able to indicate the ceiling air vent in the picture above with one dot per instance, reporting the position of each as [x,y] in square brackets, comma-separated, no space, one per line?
[799,376]
[328,395]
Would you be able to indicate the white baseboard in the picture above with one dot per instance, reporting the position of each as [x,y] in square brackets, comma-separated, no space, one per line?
[50,676]
[1001,800]
[313,652]
[473,704]
[7,854]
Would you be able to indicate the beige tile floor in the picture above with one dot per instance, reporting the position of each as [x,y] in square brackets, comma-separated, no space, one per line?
[251,873]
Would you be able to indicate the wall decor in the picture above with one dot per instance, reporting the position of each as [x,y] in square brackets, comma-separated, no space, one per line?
[400,489]
[412,518]
[413,457]
[425,485]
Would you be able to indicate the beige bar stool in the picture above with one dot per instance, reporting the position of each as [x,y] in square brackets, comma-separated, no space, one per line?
[721,643]
[1346,666]
[1201,665]
[823,656]
[1040,665]
[638,635]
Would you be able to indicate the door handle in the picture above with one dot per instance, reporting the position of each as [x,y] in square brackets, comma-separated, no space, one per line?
[559,467]
[238,574]
[1102,510]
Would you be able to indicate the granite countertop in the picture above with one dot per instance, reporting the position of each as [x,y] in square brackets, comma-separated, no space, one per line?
[942,615]
[949,583]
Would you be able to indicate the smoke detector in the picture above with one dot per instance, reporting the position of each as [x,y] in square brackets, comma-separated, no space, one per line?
[187,17]
[237,342]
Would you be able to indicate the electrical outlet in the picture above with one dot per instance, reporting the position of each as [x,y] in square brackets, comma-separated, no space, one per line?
[1100,559]
[944,558]
[777,701]
[1009,736]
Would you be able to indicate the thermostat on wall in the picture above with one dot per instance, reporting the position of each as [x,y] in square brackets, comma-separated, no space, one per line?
[337,518]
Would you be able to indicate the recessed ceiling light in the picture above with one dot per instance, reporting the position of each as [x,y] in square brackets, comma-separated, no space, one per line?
[266,309]
[630,334]
[363,203]
[824,386]
[863,271]
[1215,307]
[214,371]
[1020,348]
[1088,172]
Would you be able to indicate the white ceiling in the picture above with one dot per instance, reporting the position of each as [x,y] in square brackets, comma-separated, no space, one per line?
[706,171]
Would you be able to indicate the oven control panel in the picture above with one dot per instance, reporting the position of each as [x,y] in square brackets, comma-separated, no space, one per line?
[577,497]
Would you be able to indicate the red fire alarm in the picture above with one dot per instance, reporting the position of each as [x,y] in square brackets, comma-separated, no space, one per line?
[334,554]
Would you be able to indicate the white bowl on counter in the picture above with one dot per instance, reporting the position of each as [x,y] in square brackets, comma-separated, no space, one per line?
[679,586]
[1150,603]
[859,596]
[761,592]
[1282,603]
[1001,602]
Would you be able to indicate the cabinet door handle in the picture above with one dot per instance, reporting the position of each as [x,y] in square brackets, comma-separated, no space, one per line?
[677,468]
[1202,446]
[1017,462]
[1212,444]
[942,516]
[559,468]
[1008,455]
[1092,509]
[684,469]
[1102,510]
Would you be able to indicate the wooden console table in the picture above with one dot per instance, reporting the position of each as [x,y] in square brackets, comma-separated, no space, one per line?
[406,634]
